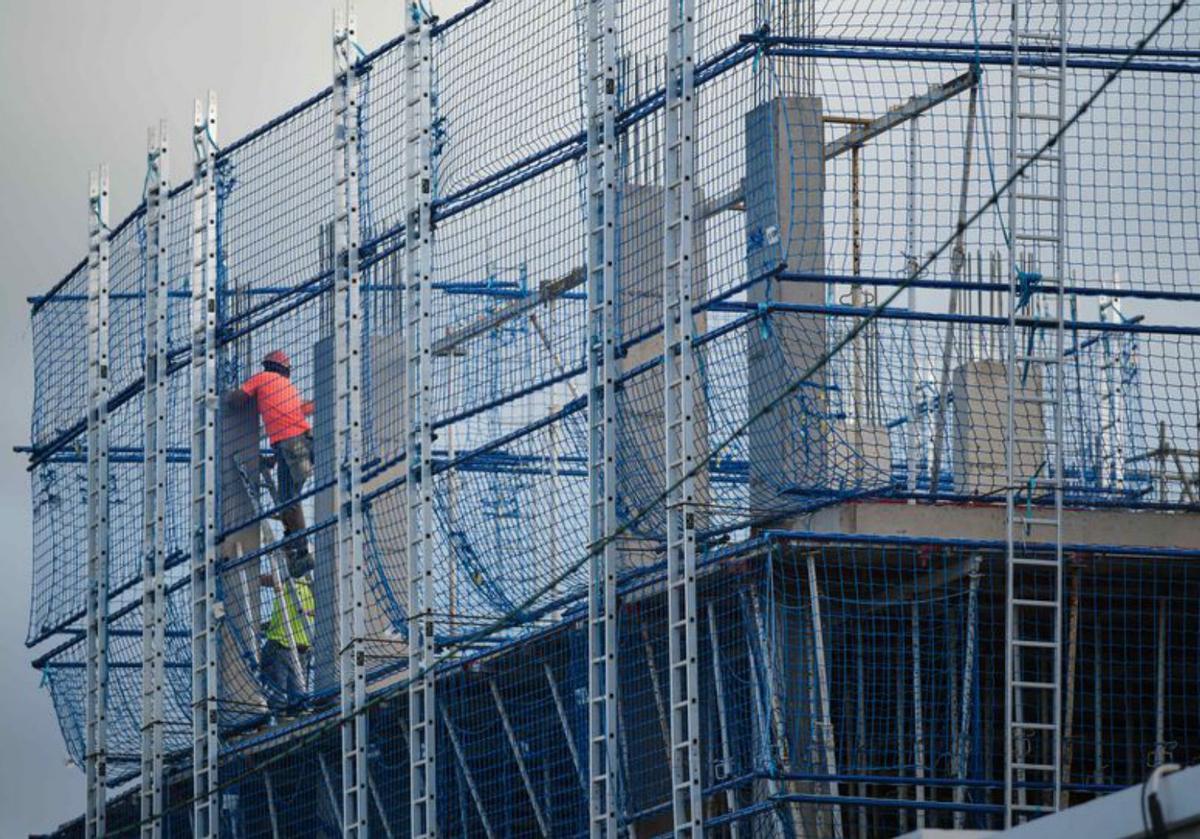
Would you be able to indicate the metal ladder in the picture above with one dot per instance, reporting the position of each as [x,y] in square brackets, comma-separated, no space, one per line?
[601,220]
[206,821]
[1035,356]
[154,482]
[96,635]
[679,368]
[418,342]
[348,340]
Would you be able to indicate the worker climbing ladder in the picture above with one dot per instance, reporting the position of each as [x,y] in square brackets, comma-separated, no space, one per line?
[347,307]
[679,367]
[601,220]
[418,343]
[96,723]
[1034,452]
[154,482]
[205,737]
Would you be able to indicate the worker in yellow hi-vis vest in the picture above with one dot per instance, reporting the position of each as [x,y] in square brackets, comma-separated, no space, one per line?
[287,648]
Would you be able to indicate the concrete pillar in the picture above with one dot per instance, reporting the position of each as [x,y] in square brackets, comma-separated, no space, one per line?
[384,544]
[240,690]
[785,190]
[641,442]
[980,391]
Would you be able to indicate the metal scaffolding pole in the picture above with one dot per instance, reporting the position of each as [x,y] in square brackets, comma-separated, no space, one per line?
[347,308]
[154,482]
[679,368]
[418,342]
[205,737]
[96,756]
[1033,454]
[602,174]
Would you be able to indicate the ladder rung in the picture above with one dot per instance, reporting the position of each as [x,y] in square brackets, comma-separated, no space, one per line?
[1035,726]
[1049,37]
[1025,601]
[1037,645]
[1040,76]
[1034,767]
[1019,683]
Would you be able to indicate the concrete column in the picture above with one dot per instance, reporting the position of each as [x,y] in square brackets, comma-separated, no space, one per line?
[641,442]
[785,191]
[240,690]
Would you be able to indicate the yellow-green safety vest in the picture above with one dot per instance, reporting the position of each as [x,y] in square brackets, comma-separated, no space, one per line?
[277,630]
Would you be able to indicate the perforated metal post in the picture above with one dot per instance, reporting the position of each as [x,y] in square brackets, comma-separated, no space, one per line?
[679,368]
[602,174]
[96,724]
[418,341]
[1033,453]
[347,309]
[154,481]
[205,739]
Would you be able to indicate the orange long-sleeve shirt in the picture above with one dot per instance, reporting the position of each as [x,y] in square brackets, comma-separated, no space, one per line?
[282,409]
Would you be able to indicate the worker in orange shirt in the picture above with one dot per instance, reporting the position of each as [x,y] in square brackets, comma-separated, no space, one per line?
[284,416]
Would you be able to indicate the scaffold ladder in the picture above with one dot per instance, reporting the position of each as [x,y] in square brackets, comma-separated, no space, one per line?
[602,174]
[348,427]
[96,722]
[1034,453]
[679,368]
[154,481]
[205,738]
[418,341]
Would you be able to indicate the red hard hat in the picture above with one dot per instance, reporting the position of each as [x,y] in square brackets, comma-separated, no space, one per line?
[277,357]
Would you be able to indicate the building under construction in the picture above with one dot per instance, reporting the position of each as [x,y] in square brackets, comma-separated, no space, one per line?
[766,418]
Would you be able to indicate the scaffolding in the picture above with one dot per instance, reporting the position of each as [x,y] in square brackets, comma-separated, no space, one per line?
[706,432]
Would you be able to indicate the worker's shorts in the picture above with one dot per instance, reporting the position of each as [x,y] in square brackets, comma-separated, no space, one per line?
[295,464]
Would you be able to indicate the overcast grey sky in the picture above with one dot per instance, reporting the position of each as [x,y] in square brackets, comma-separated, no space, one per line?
[80,82]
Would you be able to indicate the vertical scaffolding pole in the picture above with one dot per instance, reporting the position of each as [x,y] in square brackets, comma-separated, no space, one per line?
[96,758]
[418,342]
[347,308]
[679,368]
[602,176]
[828,744]
[154,481]
[205,738]
[1034,455]
[714,640]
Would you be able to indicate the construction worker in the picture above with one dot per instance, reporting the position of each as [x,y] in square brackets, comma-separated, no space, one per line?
[287,647]
[285,419]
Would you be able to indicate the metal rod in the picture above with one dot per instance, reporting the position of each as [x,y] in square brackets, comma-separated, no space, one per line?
[822,686]
[568,737]
[543,825]
[918,708]
[722,717]
[463,767]
[962,748]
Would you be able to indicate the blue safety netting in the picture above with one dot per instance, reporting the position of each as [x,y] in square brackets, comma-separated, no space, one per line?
[800,234]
